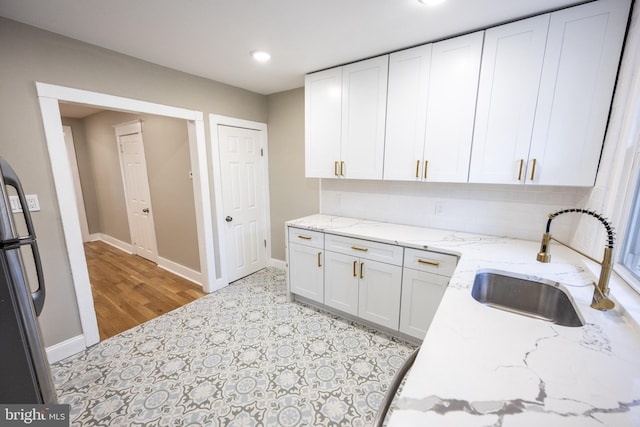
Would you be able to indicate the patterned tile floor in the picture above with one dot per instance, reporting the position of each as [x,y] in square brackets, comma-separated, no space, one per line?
[241,356]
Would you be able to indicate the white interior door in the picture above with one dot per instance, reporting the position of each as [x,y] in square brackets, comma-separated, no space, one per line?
[71,153]
[242,168]
[134,171]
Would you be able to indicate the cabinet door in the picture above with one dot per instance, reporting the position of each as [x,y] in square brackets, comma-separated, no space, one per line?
[421,295]
[453,88]
[379,295]
[341,282]
[406,113]
[578,77]
[511,66]
[323,115]
[306,276]
[364,97]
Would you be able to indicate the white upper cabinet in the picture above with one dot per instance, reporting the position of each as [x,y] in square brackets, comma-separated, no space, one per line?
[430,110]
[453,88]
[511,67]
[522,103]
[364,106]
[345,111]
[323,120]
[578,77]
[407,113]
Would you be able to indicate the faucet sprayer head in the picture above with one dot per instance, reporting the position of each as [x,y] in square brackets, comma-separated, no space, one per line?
[544,255]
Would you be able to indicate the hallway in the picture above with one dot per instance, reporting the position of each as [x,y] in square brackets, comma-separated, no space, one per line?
[129,290]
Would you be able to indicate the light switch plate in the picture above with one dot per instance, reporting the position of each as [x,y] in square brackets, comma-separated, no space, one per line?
[15,204]
[32,202]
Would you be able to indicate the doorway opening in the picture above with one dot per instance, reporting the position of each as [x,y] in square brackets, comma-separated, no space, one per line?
[119,170]
[49,96]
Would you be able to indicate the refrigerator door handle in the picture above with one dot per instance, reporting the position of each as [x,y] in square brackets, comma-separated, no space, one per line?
[11,178]
[39,295]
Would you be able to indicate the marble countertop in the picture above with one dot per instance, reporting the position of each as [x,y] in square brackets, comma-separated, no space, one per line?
[479,366]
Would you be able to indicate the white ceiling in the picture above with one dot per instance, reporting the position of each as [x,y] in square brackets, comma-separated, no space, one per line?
[212,38]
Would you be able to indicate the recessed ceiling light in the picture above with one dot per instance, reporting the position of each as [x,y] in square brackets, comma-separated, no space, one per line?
[260,55]
[431,2]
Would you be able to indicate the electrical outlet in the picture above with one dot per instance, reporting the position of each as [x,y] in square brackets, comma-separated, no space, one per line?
[32,202]
[441,209]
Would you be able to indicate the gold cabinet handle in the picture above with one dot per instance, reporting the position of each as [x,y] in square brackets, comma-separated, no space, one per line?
[361,270]
[418,169]
[335,168]
[426,165]
[341,168]
[319,261]
[358,248]
[520,173]
[300,236]
[355,263]
[428,262]
[533,170]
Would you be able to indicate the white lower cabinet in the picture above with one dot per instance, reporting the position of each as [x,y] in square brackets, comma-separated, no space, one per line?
[425,277]
[385,284]
[306,274]
[363,288]
[341,282]
[306,258]
[357,284]
[421,295]
[379,293]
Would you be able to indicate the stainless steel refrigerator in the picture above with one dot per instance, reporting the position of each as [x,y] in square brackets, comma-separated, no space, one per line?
[25,376]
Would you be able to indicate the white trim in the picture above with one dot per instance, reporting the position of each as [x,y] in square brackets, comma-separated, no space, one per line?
[623,142]
[118,244]
[214,121]
[164,263]
[180,270]
[204,216]
[94,237]
[277,263]
[66,348]
[48,97]
[127,128]
[62,93]
[63,182]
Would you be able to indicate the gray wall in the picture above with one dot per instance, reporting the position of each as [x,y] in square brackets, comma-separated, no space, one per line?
[291,194]
[85,170]
[166,144]
[29,55]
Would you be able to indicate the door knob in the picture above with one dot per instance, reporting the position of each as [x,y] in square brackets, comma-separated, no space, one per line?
[145,210]
[228,219]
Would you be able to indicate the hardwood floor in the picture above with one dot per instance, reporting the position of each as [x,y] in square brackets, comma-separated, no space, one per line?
[129,290]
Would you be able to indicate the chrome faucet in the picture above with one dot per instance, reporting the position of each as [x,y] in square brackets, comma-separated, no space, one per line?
[601,299]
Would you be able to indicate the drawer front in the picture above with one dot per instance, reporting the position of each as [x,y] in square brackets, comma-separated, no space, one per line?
[305,237]
[365,249]
[431,262]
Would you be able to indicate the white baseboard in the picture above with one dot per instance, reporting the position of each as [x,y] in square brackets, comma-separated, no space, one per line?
[277,263]
[66,348]
[123,246]
[180,270]
[94,237]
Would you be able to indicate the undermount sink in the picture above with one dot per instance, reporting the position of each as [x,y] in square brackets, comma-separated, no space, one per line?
[537,298]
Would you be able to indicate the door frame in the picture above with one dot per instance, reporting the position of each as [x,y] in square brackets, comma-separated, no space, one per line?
[214,121]
[48,97]
[132,128]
